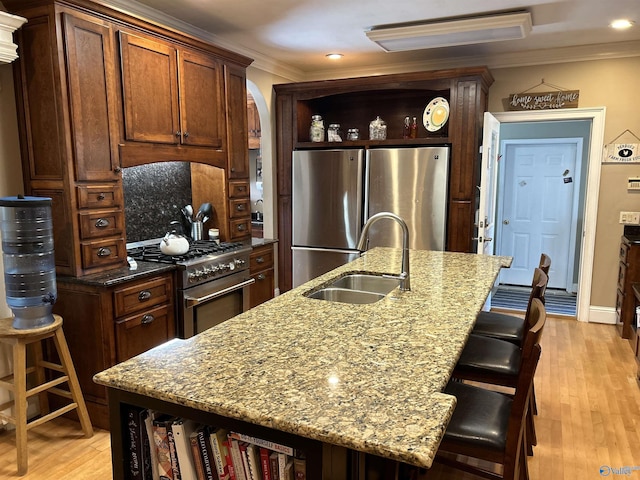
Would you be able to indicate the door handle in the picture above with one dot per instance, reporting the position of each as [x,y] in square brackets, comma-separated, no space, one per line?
[506,222]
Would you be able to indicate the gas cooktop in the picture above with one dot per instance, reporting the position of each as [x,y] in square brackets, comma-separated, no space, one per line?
[150,251]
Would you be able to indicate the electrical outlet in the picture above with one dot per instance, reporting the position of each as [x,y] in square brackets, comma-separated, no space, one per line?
[630,218]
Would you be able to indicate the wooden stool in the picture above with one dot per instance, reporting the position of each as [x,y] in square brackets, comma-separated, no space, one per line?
[17,382]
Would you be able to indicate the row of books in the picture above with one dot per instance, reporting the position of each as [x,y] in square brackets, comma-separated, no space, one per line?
[162,447]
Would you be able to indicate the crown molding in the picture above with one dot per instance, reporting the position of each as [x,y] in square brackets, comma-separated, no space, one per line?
[8,24]
[260,61]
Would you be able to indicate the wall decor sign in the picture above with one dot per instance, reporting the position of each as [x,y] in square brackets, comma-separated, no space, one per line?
[548,100]
[622,152]
[544,100]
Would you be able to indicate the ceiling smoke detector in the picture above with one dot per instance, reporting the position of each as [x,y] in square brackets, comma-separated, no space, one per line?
[448,33]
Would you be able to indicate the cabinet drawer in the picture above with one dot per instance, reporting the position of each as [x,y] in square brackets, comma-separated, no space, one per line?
[619,303]
[99,196]
[622,275]
[239,208]
[262,290]
[106,223]
[103,252]
[238,188]
[240,228]
[261,259]
[139,333]
[143,295]
[624,252]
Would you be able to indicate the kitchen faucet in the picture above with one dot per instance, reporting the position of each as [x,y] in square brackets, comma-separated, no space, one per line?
[405,281]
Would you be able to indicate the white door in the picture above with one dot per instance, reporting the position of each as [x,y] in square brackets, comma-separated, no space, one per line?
[488,182]
[538,209]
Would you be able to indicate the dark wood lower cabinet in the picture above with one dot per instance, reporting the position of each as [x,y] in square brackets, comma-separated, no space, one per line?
[107,325]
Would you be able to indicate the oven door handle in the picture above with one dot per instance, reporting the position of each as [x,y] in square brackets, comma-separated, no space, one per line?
[191,302]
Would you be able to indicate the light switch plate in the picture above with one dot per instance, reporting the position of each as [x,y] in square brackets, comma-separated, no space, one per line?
[630,218]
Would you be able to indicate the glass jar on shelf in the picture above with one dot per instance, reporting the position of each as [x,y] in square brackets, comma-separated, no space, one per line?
[333,133]
[378,129]
[353,134]
[316,131]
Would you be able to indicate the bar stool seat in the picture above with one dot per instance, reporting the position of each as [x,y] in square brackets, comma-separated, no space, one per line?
[17,382]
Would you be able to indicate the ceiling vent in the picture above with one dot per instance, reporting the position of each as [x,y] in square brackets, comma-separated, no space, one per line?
[8,24]
[448,33]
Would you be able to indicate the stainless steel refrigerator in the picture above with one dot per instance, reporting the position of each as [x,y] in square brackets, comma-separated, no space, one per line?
[335,191]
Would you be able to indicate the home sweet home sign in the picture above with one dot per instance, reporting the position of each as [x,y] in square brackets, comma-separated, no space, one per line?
[544,100]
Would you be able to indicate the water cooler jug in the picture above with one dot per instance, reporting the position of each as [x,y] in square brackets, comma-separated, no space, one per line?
[29,264]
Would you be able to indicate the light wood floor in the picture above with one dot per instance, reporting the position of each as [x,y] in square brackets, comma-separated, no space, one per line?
[588,404]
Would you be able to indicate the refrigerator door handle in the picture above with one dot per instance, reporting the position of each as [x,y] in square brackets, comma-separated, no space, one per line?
[332,250]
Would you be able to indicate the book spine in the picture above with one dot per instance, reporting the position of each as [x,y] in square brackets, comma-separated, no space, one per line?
[300,468]
[181,430]
[145,440]
[276,447]
[245,460]
[153,457]
[217,438]
[172,454]
[282,465]
[161,442]
[265,464]
[227,454]
[236,457]
[134,443]
[273,463]
[197,460]
[205,453]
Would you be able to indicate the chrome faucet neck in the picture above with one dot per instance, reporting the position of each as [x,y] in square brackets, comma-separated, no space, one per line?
[405,280]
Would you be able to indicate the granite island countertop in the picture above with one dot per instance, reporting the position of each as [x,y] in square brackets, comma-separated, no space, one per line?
[366,377]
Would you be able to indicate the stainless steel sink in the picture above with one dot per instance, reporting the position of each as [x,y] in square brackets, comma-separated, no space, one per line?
[345,295]
[357,288]
[366,282]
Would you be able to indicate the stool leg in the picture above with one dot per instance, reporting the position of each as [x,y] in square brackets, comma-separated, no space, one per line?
[20,404]
[40,377]
[74,386]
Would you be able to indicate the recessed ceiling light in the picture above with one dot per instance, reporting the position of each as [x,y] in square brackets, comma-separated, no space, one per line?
[334,56]
[621,24]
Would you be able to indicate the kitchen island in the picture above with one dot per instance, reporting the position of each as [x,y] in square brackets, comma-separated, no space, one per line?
[317,373]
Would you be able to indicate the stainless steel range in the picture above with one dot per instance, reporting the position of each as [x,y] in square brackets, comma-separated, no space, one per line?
[213,281]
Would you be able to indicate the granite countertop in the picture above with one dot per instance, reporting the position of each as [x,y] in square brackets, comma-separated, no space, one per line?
[258,242]
[366,377]
[120,275]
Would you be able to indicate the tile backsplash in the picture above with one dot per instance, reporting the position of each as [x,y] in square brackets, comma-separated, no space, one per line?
[153,196]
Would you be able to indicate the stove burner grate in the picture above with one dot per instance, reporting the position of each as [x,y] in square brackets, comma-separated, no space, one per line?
[197,249]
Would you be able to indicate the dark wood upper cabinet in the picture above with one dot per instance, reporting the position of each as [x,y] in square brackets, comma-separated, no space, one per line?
[92,98]
[202,110]
[149,90]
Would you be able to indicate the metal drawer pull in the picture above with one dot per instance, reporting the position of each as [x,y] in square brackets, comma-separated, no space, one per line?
[261,276]
[193,301]
[102,223]
[147,319]
[242,227]
[101,196]
[240,207]
[178,133]
[144,295]
[104,252]
[241,189]
[260,260]
[186,134]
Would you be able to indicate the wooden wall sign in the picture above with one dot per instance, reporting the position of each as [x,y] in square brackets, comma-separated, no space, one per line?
[621,153]
[544,100]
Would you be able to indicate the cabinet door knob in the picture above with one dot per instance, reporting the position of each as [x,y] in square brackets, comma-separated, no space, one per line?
[102,223]
[144,295]
[186,134]
[118,169]
[178,133]
[104,252]
[147,319]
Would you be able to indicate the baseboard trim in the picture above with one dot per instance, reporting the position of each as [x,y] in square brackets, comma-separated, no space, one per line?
[602,315]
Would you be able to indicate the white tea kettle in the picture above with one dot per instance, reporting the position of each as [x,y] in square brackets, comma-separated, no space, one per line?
[173,243]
